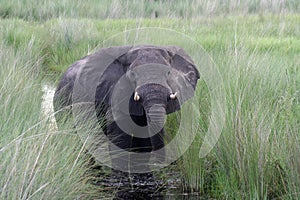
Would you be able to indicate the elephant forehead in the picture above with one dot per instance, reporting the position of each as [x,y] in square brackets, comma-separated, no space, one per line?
[149,56]
[153,87]
[151,73]
[152,69]
[154,81]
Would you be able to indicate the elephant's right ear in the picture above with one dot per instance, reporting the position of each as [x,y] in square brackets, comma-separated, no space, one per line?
[135,107]
[110,59]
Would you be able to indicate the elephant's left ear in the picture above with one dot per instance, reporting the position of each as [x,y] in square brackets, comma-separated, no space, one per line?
[183,63]
[183,78]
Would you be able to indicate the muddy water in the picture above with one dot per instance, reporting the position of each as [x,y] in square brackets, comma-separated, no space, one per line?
[147,187]
[123,186]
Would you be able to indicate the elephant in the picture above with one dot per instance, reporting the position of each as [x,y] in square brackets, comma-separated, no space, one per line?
[157,80]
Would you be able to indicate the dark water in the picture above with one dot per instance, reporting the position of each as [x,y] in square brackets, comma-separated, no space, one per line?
[167,194]
[144,186]
[146,194]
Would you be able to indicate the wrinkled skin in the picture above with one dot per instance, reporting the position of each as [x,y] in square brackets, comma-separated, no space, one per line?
[150,99]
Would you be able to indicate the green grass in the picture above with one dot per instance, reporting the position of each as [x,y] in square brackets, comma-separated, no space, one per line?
[257,155]
[37,162]
[41,11]
[252,139]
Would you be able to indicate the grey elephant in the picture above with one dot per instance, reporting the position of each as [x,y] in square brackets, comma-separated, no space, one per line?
[135,88]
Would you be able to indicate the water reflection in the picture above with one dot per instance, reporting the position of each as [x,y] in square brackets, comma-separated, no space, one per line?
[146,186]
[138,194]
[166,194]
[135,186]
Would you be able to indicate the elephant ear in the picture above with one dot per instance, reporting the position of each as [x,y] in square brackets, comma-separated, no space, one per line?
[111,75]
[113,68]
[182,79]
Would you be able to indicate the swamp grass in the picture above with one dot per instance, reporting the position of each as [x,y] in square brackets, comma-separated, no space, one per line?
[37,161]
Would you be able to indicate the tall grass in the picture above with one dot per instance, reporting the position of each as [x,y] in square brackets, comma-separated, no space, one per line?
[251,138]
[37,161]
[44,10]
[257,155]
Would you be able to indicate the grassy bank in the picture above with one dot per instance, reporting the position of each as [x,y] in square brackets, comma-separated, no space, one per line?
[257,155]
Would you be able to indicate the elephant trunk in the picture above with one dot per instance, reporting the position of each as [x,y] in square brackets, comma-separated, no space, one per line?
[156,119]
[154,100]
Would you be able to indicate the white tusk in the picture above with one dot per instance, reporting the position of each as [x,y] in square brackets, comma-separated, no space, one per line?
[136,96]
[173,96]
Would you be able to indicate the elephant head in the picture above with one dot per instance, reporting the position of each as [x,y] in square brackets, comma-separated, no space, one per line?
[160,80]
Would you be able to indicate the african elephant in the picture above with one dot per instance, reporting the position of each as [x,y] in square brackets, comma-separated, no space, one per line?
[156,79]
